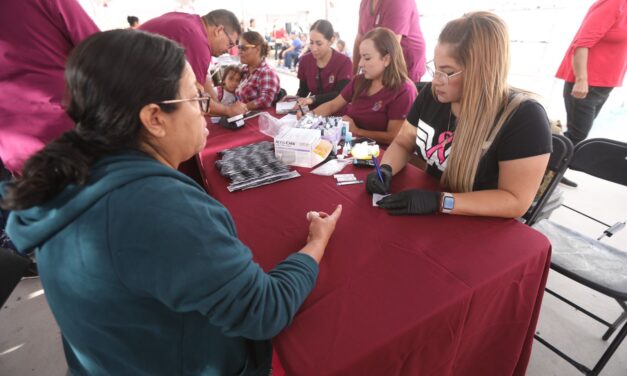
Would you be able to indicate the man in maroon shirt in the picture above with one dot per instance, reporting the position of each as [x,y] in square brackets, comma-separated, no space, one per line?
[203,37]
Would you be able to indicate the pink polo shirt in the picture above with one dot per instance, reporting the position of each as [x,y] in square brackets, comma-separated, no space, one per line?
[604,32]
[320,81]
[189,31]
[36,37]
[400,16]
[372,112]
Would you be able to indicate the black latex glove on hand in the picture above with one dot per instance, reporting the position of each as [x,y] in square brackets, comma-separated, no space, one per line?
[413,201]
[374,184]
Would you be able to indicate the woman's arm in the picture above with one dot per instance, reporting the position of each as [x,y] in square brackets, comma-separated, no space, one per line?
[330,107]
[303,89]
[519,180]
[210,89]
[580,69]
[403,146]
[382,137]
[337,89]
[219,109]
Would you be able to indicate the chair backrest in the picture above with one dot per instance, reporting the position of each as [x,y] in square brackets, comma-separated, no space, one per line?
[558,163]
[602,158]
[12,267]
[421,85]
[279,95]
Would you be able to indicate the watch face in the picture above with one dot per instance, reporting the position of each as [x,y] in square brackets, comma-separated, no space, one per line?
[448,203]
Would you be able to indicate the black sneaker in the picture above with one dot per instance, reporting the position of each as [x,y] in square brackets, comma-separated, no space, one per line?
[568,182]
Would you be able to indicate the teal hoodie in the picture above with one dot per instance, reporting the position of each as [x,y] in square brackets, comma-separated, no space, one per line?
[145,275]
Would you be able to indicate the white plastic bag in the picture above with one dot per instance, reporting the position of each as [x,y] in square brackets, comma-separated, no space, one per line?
[332,167]
[271,126]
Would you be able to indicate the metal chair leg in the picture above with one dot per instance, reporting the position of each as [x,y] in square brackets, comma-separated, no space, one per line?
[602,361]
[616,323]
[610,351]
[582,368]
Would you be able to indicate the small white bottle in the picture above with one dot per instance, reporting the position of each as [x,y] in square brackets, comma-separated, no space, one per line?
[348,139]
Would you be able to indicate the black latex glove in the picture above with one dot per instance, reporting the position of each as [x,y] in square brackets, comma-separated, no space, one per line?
[374,184]
[413,201]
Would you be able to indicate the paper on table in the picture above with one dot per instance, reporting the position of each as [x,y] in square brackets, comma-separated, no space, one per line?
[376,197]
[289,117]
[284,107]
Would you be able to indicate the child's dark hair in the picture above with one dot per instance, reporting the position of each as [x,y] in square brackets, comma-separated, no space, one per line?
[231,68]
[132,20]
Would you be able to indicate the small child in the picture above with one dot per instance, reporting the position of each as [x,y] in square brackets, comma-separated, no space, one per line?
[231,79]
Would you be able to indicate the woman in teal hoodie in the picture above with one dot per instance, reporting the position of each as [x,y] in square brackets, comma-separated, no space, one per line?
[143,270]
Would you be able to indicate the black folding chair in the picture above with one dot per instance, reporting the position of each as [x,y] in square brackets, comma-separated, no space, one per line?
[587,260]
[558,163]
[421,85]
[12,268]
[278,96]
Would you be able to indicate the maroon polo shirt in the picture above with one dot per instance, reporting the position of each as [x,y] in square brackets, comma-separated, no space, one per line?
[372,112]
[400,16]
[320,81]
[189,31]
[36,38]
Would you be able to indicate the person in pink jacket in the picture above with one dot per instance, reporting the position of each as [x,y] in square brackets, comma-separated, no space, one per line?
[594,64]
[36,37]
[400,16]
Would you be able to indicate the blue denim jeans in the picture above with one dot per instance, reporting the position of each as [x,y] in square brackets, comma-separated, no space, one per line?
[580,113]
[291,57]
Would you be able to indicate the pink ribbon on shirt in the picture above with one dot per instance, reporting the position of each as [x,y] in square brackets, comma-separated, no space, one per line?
[443,139]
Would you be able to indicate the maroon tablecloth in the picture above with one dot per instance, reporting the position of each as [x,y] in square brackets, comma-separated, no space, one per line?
[413,295]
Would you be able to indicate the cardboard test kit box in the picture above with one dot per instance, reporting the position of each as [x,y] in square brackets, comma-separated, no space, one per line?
[295,147]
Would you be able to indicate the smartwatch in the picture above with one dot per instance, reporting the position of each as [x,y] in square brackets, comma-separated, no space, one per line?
[448,203]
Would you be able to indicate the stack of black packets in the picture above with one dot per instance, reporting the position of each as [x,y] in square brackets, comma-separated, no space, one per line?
[252,166]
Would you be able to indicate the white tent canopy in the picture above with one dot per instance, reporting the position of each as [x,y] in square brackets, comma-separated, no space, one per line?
[540,30]
[109,14]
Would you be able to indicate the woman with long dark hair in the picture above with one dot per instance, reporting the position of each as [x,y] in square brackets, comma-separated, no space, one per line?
[260,83]
[143,270]
[323,72]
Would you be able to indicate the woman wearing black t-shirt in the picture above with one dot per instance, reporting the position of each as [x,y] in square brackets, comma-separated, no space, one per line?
[488,143]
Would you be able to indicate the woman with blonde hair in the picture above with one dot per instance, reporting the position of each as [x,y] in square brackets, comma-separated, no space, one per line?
[376,102]
[487,142]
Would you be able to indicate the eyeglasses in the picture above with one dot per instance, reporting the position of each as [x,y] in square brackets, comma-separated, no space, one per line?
[203,100]
[440,76]
[231,43]
[244,47]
